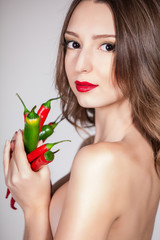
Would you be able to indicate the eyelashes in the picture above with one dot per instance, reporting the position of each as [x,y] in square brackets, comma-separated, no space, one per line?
[106,47]
[109,47]
[70,44]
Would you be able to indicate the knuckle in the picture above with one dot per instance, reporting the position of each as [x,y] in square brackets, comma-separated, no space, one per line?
[8,183]
[25,176]
[14,181]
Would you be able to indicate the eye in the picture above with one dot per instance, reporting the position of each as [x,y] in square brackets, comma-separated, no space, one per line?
[72,44]
[108,47]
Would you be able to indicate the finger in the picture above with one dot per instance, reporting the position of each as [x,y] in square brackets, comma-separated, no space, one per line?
[13,142]
[14,137]
[6,157]
[19,153]
[12,145]
[40,143]
[44,172]
[13,168]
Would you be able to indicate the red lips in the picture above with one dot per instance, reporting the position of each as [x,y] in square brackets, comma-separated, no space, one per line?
[84,86]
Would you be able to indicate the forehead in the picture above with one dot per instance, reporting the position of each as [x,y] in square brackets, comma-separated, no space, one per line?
[92,17]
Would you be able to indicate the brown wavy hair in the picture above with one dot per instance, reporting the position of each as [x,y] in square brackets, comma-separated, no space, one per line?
[137,67]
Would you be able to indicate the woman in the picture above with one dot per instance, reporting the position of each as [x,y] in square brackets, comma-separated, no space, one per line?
[108,73]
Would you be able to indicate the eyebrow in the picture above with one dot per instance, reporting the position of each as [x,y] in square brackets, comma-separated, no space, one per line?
[93,37]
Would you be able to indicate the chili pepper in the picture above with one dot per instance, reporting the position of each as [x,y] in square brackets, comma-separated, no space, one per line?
[31,131]
[26,111]
[7,193]
[42,149]
[44,110]
[56,121]
[43,159]
[47,131]
[12,202]
[53,124]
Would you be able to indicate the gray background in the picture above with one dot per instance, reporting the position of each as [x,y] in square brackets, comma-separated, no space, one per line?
[29,35]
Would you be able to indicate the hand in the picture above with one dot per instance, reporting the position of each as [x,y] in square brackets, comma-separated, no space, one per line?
[31,190]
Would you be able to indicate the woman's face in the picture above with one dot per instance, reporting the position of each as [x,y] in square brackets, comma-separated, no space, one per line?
[90,42]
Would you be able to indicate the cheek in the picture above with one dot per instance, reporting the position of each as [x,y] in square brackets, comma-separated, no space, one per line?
[107,78]
[104,66]
[69,66]
[69,69]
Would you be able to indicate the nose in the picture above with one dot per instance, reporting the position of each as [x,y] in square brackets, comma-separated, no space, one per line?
[84,61]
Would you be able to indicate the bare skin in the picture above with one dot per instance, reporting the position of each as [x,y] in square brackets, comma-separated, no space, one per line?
[130,204]
[113,190]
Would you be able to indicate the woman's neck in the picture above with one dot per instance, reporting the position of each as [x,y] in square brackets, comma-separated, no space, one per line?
[113,122]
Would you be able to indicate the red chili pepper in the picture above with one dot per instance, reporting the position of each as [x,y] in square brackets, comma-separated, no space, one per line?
[26,111]
[43,159]
[44,110]
[42,149]
[7,193]
[12,202]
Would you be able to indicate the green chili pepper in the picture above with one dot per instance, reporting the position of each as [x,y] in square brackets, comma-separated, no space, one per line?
[47,131]
[31,131]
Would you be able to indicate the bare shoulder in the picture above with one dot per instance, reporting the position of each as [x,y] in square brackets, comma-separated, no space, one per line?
[105,157]
[99,191]
[115,164]
[106,167]
[105,150]
[93,200]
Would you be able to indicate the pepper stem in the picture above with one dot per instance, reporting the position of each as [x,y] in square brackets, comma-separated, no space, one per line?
[59,117]
[56,151]
[25,108]
[48,103]
[50,145]
[32,113]
[56,122]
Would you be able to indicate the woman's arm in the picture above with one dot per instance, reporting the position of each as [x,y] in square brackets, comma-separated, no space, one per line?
[37,225]
[31,190]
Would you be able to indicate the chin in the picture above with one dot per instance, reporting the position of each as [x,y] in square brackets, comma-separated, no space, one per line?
[87,102]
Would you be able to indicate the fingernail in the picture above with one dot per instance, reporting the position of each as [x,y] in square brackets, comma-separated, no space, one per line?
[19,132]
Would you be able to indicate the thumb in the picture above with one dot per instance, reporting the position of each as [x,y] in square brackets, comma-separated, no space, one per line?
[19,153]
